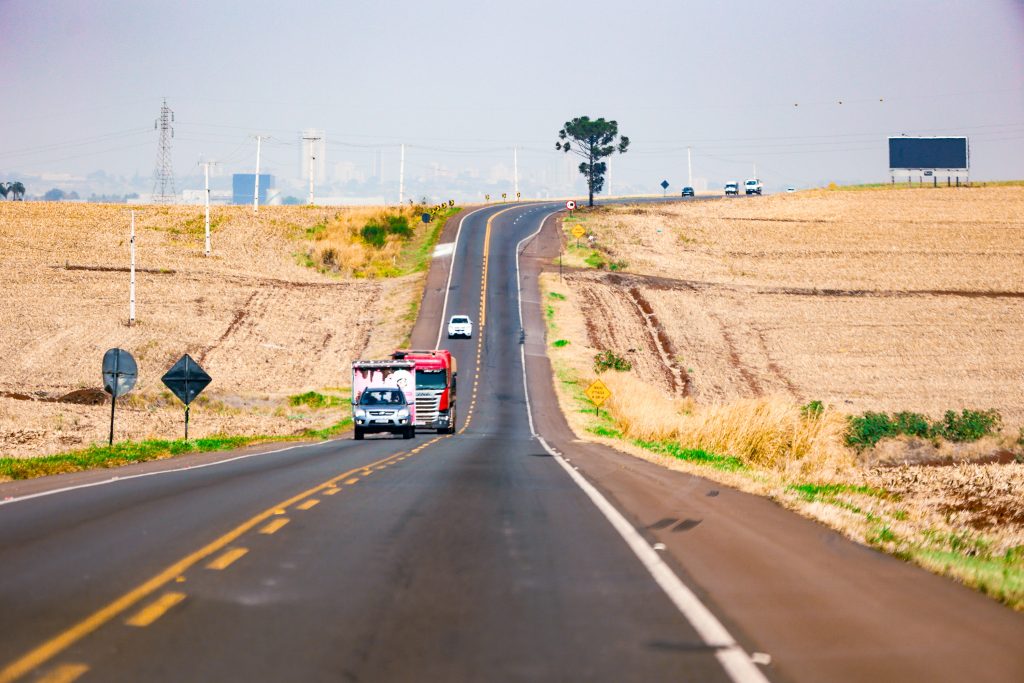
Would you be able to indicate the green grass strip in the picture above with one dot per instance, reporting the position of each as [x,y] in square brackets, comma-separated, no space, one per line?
[128,452]
[674,450]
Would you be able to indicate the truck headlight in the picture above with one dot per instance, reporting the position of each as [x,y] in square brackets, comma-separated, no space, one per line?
[403,413]
[360,412]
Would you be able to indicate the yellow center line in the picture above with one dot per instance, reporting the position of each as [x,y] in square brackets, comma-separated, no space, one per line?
[351,481]
[331,492]
[64,673]
[227,558]
[50,648]
[308,504]
[273,526]
[154,610]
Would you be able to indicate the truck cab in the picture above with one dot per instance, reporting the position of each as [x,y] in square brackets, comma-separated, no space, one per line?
[436,379]
[732,187]
[752,186]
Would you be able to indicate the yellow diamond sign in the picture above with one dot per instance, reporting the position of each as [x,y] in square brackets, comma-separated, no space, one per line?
[578,232]
[598,392]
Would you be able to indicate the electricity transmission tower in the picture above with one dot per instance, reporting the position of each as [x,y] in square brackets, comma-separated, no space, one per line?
[163,174]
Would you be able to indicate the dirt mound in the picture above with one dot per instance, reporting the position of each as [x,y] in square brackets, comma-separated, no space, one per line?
[85,397]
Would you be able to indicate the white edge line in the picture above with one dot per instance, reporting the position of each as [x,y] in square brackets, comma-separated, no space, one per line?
[116,479]
[736,662]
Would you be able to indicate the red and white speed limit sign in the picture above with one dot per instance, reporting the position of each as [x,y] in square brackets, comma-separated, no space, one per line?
[571,205]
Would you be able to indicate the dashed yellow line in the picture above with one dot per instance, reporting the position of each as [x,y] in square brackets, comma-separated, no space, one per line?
[274,526]
[154,610]
[226,559]
[308,504]
[64,673]
[331,492]
[353,480]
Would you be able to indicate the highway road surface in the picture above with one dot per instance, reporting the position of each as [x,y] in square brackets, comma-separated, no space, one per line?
[507,552]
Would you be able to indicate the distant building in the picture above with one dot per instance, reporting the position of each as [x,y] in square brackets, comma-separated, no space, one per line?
[243,184]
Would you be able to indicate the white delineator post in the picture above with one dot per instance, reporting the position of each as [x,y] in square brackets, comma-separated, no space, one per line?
[131,277]
[401,176]
[206,174]
[256,188]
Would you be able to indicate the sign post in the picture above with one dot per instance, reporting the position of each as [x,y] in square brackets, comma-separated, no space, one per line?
[186,380]
[578,232]
[598,392]
[119,375]
[664,187]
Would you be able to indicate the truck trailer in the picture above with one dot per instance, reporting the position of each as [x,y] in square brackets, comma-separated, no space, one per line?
[436,375]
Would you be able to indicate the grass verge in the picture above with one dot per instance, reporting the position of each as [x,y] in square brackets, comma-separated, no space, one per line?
[128,452]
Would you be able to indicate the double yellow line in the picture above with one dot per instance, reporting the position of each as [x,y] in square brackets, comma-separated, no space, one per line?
[483,316]
[54,646]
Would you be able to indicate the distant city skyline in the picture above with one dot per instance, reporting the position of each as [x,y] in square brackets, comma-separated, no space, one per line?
[806,93]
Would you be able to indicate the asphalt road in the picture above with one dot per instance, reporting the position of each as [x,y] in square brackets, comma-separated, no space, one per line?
[481,556]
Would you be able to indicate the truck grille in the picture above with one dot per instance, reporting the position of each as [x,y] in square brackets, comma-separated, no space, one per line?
[426,407]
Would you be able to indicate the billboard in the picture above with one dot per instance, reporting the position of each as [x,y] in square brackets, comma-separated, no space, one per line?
[918,154]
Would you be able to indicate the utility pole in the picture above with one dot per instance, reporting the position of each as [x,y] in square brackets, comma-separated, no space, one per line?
[689,167]
[163,175]
[131,279]
[515,171]
[401,177]
[608,180]
[206,174]
[256,188]
[312,158]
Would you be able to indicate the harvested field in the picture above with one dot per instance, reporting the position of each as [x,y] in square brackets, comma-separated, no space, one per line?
[872,300]
[736,313]
[262,322]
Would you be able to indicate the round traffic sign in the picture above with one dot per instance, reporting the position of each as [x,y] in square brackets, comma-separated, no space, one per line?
[571,205]
[119,372]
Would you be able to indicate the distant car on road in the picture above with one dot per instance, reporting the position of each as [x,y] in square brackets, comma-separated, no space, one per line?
[688,192]
[732,187]
[790,189]
[460,326]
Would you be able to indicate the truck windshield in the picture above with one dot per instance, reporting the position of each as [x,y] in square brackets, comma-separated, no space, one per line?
[431,379]
[379,397]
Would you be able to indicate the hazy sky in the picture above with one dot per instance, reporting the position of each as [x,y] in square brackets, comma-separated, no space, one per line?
[464,82]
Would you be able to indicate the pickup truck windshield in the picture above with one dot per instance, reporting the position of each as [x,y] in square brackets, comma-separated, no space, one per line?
[431,379]
[379,397]
[459,321]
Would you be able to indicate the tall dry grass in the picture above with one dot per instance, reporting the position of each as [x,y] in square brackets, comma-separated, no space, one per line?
[337,245]
[770,433]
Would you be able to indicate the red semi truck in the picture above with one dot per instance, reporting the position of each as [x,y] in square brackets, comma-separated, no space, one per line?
[436,373]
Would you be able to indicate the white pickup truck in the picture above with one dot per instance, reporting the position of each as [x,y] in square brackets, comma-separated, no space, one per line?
[752,186]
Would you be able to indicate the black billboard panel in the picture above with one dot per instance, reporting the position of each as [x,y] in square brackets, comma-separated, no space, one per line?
[928,153]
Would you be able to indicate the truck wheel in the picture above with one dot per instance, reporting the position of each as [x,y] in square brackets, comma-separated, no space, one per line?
[358,436]
[409,433]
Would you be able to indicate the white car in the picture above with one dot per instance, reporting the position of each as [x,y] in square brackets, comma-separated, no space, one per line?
[460,326]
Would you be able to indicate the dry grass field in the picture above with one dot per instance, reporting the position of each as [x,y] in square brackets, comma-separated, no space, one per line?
[735,314]
[265,315]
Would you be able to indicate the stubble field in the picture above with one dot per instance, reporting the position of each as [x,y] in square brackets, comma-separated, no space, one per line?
[258,315]
[736,315]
